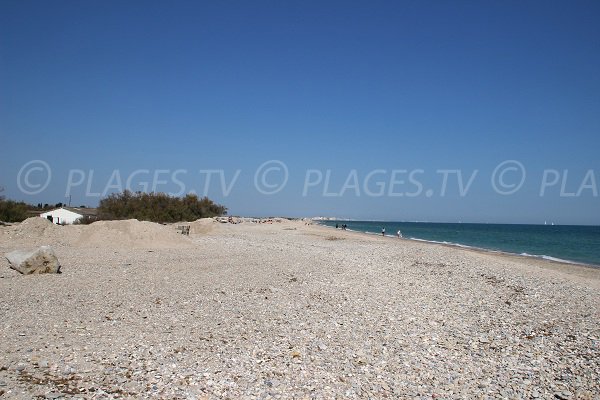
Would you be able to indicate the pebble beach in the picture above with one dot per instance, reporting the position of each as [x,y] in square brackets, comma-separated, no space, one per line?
[289,310]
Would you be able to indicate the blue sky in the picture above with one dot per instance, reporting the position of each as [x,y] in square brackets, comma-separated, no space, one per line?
[339,86]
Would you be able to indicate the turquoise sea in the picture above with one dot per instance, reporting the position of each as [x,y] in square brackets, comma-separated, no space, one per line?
[578,244]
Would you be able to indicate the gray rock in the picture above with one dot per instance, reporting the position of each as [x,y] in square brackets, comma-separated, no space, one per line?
[565,395]
[39,261]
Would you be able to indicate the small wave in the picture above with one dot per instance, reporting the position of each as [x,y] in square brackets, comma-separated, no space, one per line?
[443,242]
[550,258]
[543,256]
[559,260]
[462,245]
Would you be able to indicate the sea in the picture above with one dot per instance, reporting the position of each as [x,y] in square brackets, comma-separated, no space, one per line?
[566,243]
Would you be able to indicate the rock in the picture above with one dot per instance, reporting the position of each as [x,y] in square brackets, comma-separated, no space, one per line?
[68,370]
[40,261]
[565,395]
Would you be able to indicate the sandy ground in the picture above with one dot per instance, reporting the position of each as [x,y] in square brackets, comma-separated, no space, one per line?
[290,311]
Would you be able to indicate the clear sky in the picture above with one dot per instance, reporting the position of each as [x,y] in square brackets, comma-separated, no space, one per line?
[354,95]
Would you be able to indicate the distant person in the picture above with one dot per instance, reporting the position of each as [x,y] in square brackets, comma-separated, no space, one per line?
[399,234]
[336,226]
[383,231]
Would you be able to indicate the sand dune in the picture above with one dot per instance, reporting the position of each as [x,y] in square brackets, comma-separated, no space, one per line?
[119,234]
[131,233]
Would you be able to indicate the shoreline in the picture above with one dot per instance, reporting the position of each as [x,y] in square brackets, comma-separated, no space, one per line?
[579,270]
[543,257]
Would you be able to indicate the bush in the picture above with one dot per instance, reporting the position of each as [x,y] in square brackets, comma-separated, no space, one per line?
[85,220]
[158,207]
[12,211]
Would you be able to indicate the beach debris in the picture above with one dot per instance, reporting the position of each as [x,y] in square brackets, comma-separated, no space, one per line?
[39,261]
[184,229]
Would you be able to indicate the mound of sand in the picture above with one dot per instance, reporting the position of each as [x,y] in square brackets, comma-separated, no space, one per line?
[36,230]
[128,233]
[131,233]
[203,225]
[37,224]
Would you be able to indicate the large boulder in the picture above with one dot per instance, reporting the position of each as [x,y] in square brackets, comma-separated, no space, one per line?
[39,261]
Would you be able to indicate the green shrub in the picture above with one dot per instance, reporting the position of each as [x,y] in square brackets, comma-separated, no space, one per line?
[158,207]
[13,211]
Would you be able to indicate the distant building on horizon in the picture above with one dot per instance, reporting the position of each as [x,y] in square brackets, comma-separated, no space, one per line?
[331,219]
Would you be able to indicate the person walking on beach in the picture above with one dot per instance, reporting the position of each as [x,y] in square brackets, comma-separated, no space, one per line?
[383,231]
[399,234]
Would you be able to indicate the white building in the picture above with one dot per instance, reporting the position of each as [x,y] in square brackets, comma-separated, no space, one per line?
[67,215]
